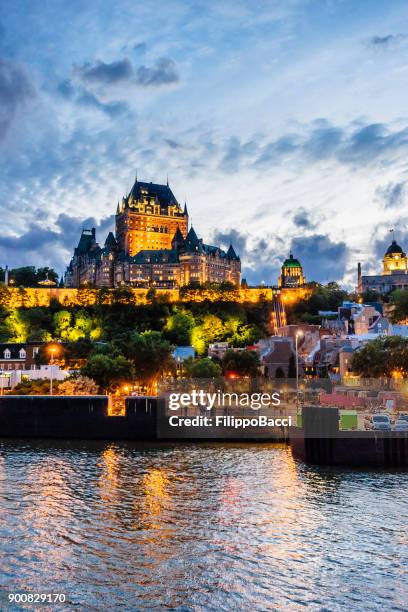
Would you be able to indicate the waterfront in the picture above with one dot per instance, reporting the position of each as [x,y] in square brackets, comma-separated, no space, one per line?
[196,527]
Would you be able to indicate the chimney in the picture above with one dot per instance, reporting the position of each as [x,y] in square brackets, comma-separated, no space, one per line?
[93,231]
[6,276]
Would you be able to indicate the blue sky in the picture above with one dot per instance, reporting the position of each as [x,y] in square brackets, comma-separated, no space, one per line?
[283,123]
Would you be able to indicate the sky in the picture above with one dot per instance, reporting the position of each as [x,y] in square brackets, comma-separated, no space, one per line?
[282,123]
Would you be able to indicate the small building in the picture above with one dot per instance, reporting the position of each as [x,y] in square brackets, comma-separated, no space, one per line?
[279,361]
[40,373]
[181,354]
[393,276]
[19,355]
[218,350]
[291,276]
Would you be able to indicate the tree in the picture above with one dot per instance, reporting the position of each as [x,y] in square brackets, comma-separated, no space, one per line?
[40,386]
[179,327]
[202,368]
[151,295]
[210,330]
[150,355]
[78,385]
[243,363]
[322,297]
[107,371]
[399,299]
[382,357]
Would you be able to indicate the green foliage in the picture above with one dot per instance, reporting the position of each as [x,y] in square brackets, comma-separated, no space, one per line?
[149,353]
[29,276]
[323,297]
[399,299]
[34,387]
[382,357]
[78,385]
[179,327]
[243,363]
[201,368]
[107,371]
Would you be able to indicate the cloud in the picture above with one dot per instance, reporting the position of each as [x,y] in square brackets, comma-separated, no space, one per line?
[232,236]
[352,145]
[15,92]
[237,151]
[302,219]
[392,195]
[100,72]
[140,47]
[163,72]
[41,245]
[381,238]
[113,109]
[85,98]
[323,260]
[385,42]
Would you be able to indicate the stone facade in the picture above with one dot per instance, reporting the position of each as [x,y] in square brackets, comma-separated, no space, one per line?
[393,276]
[291,276]
[152,248]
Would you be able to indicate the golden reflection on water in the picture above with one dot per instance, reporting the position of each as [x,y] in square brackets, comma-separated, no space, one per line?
[47,508]
[108,480]
[156,497]
[136,500]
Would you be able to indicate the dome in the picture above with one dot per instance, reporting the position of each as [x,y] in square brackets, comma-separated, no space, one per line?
[394,249]
[291,262]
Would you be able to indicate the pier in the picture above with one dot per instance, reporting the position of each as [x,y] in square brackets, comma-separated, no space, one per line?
[318,441]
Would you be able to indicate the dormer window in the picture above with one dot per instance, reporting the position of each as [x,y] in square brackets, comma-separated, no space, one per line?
[7,354]
[22,354]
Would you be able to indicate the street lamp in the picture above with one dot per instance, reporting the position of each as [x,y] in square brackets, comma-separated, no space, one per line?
[52,350]
[298,335]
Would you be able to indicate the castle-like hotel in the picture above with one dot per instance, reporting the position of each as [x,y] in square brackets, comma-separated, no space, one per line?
[153,246]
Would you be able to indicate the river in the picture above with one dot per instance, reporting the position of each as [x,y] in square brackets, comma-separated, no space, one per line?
[185,527]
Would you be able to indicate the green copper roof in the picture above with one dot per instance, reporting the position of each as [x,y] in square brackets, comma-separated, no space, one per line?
[395,248]
[291,262]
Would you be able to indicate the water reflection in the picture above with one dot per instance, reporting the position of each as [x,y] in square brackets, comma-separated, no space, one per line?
[234,526]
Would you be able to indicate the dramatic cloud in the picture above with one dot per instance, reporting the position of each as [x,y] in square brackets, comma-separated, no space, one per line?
[392,195]
[15,91]
[302,219]
[99,72]
[85,98]
[353,145]
[234,237]
[238,137]
[41,245]
[323,260]
[164,72]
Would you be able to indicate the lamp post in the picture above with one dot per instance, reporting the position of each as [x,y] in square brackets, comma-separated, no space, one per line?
[52,351]
[297,336]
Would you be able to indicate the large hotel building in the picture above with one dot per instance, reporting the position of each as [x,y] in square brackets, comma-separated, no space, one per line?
[153,247]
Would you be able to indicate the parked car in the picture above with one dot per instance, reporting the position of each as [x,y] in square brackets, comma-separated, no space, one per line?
[403,416]
[401,425]
[381,422]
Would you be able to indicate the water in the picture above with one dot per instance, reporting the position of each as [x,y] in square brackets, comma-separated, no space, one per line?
[198,527]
